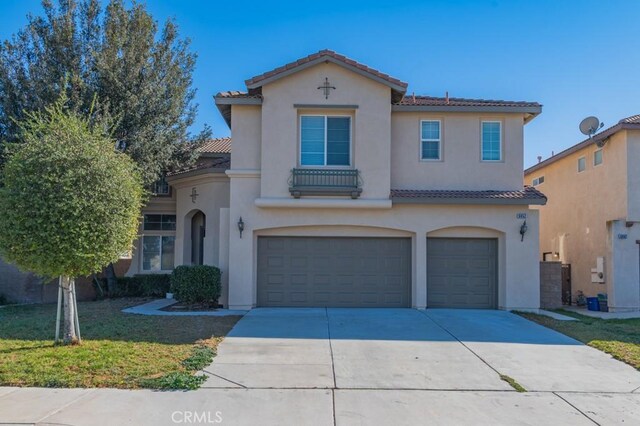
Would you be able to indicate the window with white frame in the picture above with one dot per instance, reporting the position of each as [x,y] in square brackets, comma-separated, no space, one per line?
[158,247]
[582,164]
[537,181]
[491,141]
[430,140]
[597,157]
[157,252]
[325,140]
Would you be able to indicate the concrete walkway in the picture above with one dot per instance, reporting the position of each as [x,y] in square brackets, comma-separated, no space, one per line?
[603,315]
[155,308]
[369,367]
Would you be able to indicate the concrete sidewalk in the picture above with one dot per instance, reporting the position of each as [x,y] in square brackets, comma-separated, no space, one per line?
[313,407]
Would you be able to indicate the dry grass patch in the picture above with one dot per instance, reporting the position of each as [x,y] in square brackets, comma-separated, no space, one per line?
[118,350]
[619,338]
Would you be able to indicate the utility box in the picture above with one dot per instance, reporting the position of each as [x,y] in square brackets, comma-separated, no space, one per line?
[597,273]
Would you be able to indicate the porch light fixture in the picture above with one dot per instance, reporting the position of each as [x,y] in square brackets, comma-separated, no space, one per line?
[240,226]
[523,230]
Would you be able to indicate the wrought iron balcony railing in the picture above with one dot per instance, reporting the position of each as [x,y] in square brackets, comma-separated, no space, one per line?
[325,182]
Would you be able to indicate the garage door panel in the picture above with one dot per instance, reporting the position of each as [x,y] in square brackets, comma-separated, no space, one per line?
[335,271]
[461,273]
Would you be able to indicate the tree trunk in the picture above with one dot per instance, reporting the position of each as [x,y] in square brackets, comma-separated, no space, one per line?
[112,281]
[69,335]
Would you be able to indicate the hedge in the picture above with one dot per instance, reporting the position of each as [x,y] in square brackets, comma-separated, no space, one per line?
[196,284]
[143,285]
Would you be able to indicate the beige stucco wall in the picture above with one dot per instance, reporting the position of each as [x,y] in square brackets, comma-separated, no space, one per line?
[371,126]
[574,222]
[519,272]
[246,128]
[633,175]
[461,166]
[386,151]
[213,190]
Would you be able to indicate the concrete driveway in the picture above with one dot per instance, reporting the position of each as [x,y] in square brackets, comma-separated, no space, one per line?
[405,366]
[370,367]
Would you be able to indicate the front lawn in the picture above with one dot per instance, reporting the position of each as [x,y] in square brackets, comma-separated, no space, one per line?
[118,350]
[619,338]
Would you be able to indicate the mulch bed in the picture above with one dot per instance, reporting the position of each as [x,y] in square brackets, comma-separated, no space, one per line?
[195,307]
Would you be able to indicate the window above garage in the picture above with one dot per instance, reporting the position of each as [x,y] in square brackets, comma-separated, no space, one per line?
[325,140]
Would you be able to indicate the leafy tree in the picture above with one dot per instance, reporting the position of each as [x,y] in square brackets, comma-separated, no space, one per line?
[69,202]
[140,74]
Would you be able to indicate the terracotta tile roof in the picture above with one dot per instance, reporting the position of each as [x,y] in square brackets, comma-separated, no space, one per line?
[528,195]
[222,163]
[435,101]
[236,94]
[216,146]
[634,119]
[322,54]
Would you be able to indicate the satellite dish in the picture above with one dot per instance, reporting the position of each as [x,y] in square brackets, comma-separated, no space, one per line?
[590,125]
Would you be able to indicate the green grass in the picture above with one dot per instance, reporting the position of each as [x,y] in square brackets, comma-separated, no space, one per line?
[118,350]
[619,338]
[512,382]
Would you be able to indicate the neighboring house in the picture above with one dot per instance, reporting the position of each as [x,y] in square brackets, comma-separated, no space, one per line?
[344,191]
[592,219]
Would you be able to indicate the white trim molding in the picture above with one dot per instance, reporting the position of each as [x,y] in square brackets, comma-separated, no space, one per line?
[322,203]
[243,173]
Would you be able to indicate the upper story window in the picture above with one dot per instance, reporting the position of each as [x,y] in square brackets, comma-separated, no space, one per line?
[325,140]
[491,141]
[582,164]
[159,222]
[597,157]
[160,187]
[537,181]
[430,142]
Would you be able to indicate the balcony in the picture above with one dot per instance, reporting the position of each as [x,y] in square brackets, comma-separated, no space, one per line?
[345,182]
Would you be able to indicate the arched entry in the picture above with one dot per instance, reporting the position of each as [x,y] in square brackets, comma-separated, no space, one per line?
[198,231]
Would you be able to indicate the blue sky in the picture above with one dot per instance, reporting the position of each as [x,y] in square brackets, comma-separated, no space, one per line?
[577,58]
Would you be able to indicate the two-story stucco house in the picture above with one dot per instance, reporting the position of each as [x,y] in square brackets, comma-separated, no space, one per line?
[592,220]
[342,190]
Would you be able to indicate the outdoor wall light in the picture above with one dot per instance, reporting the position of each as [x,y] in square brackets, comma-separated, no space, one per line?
[240,226]
[523,230]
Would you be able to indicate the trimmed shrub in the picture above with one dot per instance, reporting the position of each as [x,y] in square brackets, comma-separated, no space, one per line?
[154,285]
[196,284]
[143,285]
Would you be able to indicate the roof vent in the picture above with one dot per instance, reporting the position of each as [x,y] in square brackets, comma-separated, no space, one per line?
[539,158]
[446,97]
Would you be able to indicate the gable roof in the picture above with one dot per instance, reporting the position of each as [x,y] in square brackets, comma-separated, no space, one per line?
[326,55]
[629,123]
[399,101]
